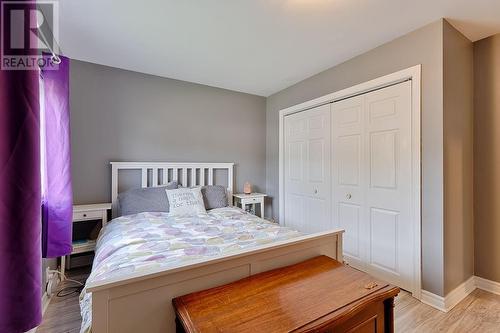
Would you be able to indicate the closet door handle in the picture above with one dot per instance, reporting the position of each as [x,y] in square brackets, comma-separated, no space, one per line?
[315,191]
[348,196]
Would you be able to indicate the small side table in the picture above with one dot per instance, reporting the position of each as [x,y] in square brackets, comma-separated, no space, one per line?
[250,199]
[86,213]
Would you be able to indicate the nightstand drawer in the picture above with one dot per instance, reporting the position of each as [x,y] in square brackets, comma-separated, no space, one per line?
[251,200]
[87,215]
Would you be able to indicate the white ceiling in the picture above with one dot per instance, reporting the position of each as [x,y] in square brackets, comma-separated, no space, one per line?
[253,46]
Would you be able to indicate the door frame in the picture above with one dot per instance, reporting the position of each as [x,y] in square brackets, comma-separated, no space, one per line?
[413,74]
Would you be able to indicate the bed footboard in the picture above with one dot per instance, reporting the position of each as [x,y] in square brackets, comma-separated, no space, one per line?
[143,303]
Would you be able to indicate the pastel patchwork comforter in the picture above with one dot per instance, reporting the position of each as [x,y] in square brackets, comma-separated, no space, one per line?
[145,241]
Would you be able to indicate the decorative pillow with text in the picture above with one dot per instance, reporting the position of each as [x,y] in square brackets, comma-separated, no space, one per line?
[186,201]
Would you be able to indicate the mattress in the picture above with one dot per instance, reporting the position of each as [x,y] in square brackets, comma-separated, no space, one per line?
[145,241]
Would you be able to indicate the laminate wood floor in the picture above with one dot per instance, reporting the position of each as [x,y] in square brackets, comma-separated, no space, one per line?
[63,313]
[477,313]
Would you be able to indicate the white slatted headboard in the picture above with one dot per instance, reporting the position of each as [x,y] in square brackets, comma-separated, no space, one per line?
[159,173]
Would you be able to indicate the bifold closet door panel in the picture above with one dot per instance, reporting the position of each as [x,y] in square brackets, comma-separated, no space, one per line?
[371,181]
[307,170]
[348,183]
[388,155]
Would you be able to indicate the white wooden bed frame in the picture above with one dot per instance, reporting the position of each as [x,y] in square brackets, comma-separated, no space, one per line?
[159,173]
[142,302]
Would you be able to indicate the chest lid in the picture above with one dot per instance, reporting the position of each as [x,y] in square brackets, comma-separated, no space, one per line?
[283,299]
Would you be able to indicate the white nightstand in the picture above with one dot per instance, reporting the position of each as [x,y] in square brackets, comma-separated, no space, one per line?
[86,213]
[250,199]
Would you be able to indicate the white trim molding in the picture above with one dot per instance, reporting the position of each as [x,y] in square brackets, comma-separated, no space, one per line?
[455,296]
[487,285]
[459,293]
[413,74]
[45,304]
[433,300]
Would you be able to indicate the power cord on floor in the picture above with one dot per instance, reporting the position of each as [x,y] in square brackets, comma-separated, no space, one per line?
[66,291]
[69,291]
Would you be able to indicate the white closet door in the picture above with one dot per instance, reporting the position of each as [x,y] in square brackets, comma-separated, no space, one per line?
[348,176]
[307,170]
[372,182]
[388,154]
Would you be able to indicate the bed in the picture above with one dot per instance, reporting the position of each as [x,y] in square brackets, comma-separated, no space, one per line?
[145,260]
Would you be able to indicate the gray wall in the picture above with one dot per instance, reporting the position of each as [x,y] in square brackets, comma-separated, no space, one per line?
[487,158]
[458,157]
[423,46]
[118,115]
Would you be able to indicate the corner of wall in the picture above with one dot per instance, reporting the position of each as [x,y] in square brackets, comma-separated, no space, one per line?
[486,157]
[458,116]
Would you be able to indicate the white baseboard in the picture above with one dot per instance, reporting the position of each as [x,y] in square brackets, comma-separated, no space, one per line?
[455,296]
[488,285]
[459,293]
[45,302]
[433,300]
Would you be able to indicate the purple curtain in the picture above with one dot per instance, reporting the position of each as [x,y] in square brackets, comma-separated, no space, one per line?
[20,246]
[57,196]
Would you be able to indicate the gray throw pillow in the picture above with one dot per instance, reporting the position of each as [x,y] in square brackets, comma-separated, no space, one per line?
[214,196]
[147,199]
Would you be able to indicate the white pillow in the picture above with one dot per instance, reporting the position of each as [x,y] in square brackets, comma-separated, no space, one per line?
[186,201]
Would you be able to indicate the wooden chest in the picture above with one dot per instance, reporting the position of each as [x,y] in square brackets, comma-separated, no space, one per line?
[317,295]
